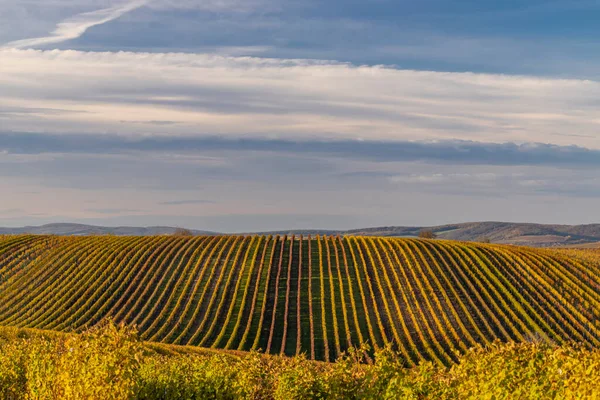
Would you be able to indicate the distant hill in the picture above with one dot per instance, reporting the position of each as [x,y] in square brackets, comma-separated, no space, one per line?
[66,229]
[524,234]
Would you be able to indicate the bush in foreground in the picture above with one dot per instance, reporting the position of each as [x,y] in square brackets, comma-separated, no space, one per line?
[110,362]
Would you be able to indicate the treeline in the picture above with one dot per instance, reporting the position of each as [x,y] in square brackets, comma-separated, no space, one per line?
[109,362]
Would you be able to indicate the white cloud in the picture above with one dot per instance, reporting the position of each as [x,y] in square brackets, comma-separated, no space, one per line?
[25,23]
[76,26]
[533,183]
[472,178]
[207,94]
[433,178]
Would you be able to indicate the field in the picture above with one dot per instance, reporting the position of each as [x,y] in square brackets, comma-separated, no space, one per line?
[319,296]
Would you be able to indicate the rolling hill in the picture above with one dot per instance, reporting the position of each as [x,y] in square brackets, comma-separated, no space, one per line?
[523,234]
[291,295]
[68,229]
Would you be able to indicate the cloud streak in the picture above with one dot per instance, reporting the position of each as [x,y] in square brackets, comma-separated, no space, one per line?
[76,26]
[185,202]
[204,95]
[454,152]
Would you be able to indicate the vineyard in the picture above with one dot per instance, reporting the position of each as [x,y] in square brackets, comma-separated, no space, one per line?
[428,300]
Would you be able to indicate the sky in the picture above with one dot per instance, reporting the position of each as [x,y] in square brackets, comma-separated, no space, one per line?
[253,115]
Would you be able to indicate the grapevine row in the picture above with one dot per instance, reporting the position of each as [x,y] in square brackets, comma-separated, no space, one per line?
[318,295]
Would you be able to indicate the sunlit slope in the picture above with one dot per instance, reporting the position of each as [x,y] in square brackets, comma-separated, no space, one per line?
[292,295]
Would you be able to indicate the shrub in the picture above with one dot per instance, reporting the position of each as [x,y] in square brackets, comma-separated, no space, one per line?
[13,381]
[350,376]
[427,234]
[256,376]
[185,377]
[300,379]
[100,363]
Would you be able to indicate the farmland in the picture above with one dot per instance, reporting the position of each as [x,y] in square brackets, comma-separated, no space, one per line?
[319,296]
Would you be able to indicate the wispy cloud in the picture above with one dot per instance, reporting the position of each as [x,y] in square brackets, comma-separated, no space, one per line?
[186,202]
[76,26]
[111,211]
[162,123]
[204,150]
[11,211]
[208,95]
[480,179]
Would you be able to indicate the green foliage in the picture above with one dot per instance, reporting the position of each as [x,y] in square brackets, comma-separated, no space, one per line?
[110,362]
[102,363]
[13,381]
[185,377]
[531,370]
[300,379]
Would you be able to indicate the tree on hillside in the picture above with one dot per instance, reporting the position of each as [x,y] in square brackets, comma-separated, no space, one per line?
[182,232]
[427,234]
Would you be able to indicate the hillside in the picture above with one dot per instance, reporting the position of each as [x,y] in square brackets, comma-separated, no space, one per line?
[522,234]
[285,295]
[83,230]
[536,235]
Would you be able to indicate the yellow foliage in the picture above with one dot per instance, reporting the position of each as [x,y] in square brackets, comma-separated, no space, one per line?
[109,362]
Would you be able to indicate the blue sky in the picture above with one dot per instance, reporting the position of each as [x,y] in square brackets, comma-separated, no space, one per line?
[235,115]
